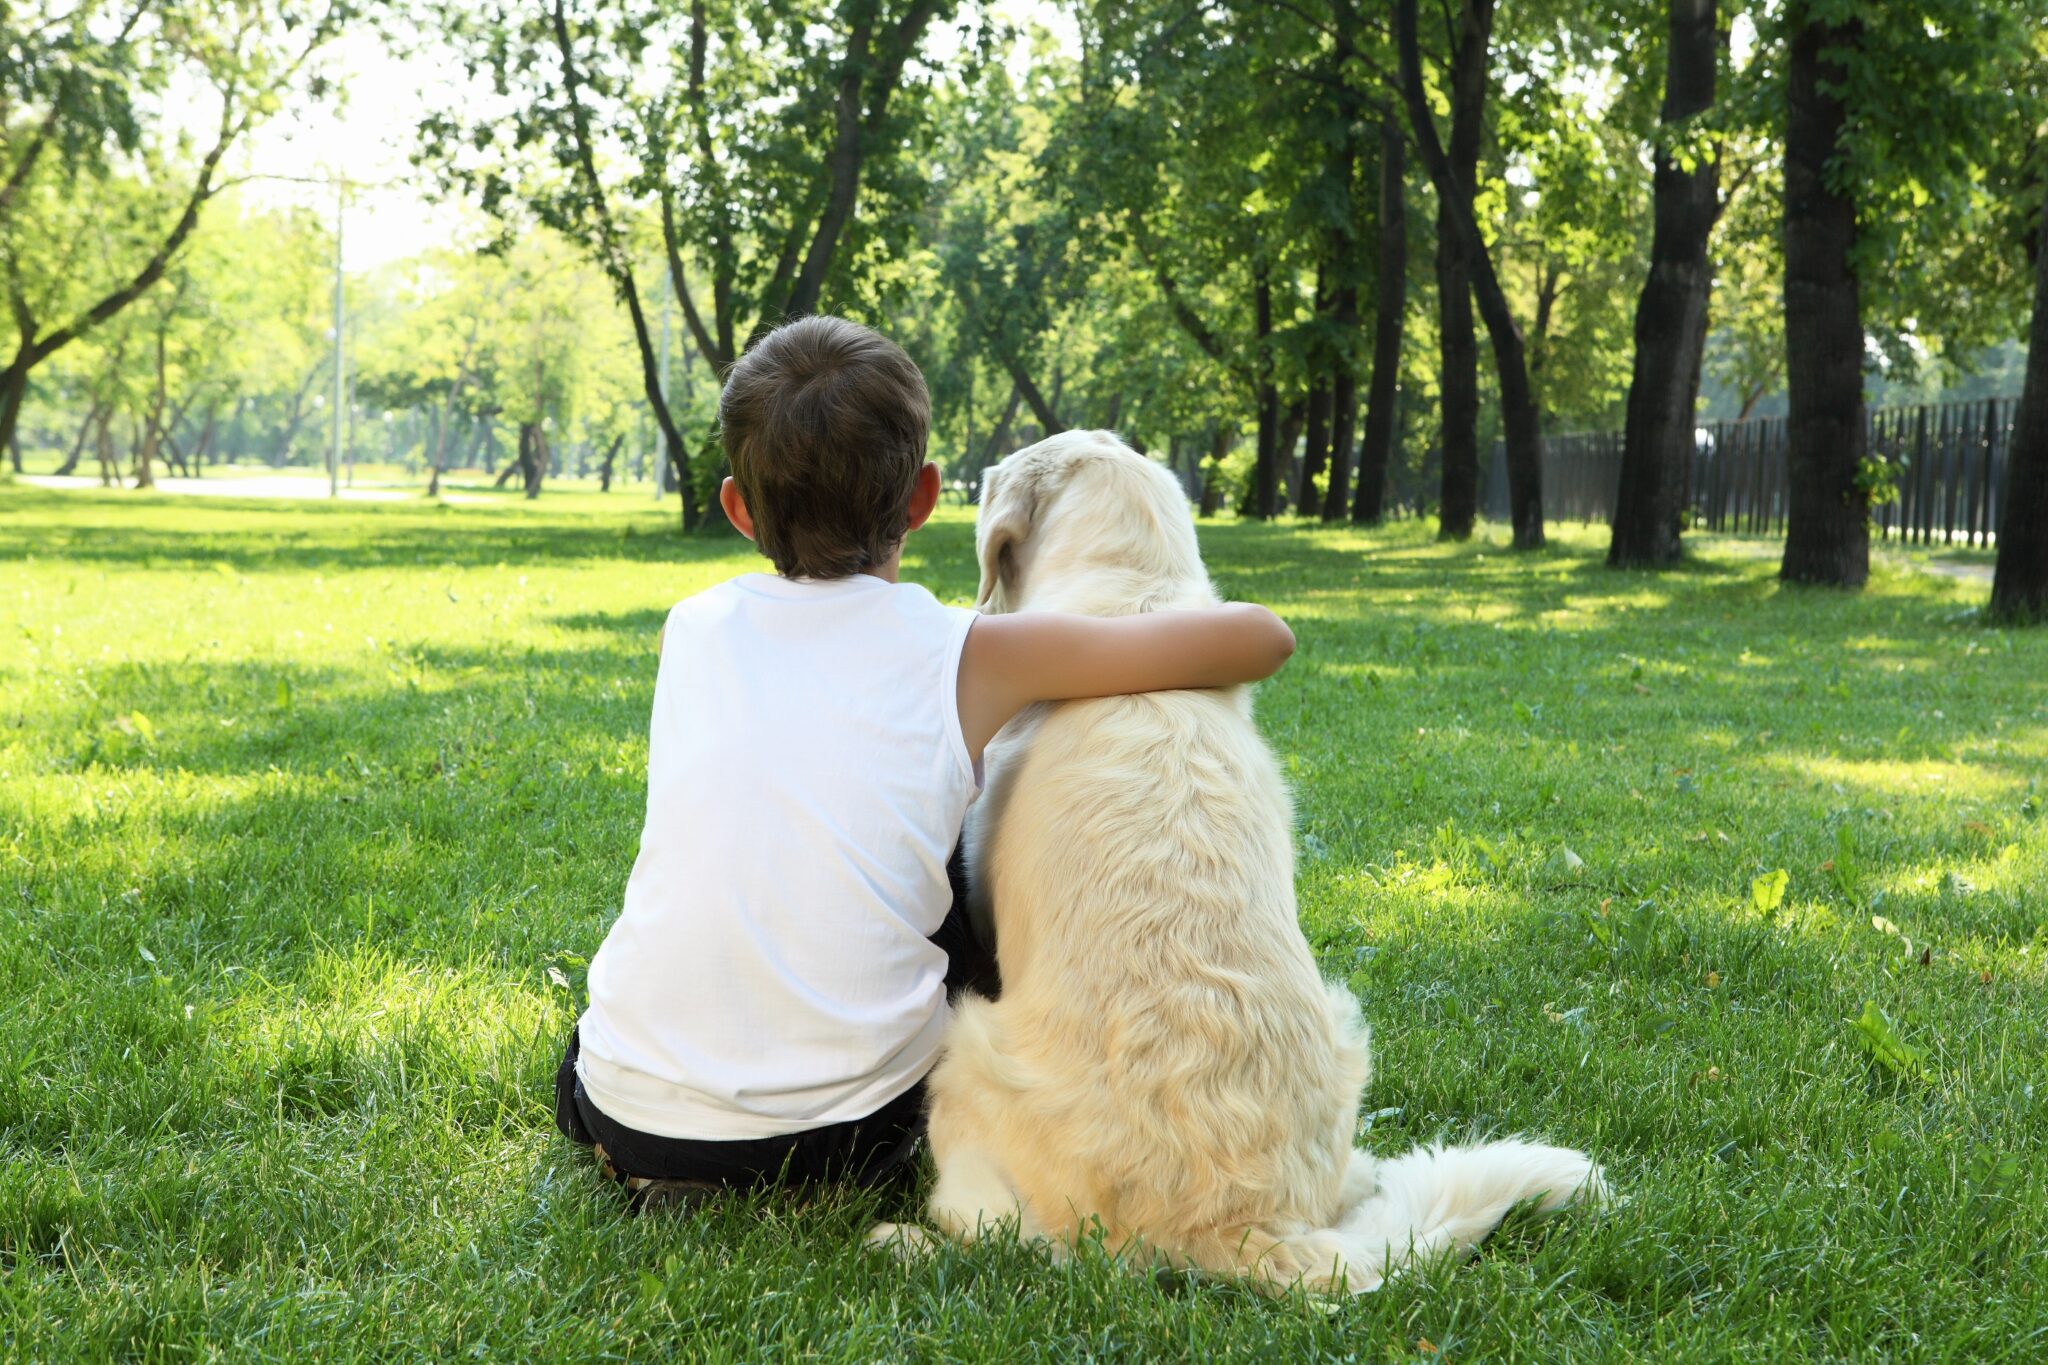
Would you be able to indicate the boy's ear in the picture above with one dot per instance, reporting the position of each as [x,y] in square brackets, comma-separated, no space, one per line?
[924,496]
[736,508]
[1006,516]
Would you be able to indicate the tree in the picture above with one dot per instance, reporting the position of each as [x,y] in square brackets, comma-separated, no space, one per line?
[1671,315]
[1828,523]
[1894,115]
[1520,419]
[748,137]
[1468,34]
[74,122]
[1180,157]
[2019,591]
[1390,300]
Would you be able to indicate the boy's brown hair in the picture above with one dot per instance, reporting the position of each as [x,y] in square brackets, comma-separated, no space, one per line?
[825,425]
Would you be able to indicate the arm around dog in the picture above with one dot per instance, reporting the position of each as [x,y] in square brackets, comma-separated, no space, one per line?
[1011,661]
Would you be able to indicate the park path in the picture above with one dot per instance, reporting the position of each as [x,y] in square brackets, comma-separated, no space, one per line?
[314,486]
[287,486]
[1969,573]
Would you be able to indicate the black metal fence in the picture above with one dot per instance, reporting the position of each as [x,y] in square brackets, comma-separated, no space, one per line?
[1947,462]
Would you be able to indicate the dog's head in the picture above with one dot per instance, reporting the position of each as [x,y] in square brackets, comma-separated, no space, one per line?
[1080,522]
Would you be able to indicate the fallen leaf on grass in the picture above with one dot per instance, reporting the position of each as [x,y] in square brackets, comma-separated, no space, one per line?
[1880,1038]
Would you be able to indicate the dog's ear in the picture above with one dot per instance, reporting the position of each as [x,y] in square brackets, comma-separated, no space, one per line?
[1008,506]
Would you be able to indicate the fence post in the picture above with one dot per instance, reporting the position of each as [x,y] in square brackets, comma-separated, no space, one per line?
[1981,502]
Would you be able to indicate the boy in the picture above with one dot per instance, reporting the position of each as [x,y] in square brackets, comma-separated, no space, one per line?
[769,1000]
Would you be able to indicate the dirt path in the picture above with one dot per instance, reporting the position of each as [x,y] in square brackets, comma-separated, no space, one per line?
[1969,573]
[264,486]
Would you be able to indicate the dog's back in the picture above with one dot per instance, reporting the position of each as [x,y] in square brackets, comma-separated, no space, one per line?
[1188,1076]
[1159,1002]
[1165,1062]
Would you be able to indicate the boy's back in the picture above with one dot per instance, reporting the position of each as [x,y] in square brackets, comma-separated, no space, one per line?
[772,969]
[774,990]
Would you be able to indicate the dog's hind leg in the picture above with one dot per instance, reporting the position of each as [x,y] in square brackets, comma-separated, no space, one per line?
[975,1192]
[973,1195]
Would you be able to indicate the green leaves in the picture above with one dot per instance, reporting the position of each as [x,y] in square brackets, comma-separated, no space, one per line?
[1879,1037]
[1845,869]
[1767,893]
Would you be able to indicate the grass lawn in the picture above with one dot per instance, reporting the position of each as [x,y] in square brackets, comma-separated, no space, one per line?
[310,816]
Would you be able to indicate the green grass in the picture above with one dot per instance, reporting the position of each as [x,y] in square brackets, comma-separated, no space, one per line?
[308,814]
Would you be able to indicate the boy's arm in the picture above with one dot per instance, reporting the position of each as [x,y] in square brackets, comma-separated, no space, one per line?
[1011,661]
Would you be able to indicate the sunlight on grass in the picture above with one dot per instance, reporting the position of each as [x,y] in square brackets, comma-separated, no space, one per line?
[310,818]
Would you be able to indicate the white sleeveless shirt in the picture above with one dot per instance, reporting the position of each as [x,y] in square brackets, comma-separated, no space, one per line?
[806,780]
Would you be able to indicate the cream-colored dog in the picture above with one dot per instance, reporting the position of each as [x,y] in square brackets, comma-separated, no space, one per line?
[1166,1063]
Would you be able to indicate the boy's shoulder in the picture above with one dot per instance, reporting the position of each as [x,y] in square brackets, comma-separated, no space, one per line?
[748,594]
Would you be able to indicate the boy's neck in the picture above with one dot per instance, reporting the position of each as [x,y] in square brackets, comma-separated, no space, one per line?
[887,570]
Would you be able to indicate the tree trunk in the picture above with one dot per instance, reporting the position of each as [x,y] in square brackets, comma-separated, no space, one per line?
[612,258]
[1457,341]
[441,419]
[1827,534]
[2019,592]
[1113,413]
[1044,409]
[998,437]
[13,392]
[533,453]
[1663,395]
[1336,500]
[152,426]
[604,471]
[1212,492]
[513,466]
[1265,485]
[1521,423]
[203,447]
[1316,456]
[104,447]
[1292,418]
[92,418]
[1390,304]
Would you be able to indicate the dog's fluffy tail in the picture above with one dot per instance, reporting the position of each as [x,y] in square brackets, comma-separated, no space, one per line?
[1440,1200]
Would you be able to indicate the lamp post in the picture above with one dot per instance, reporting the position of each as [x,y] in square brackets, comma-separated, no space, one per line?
[340,344]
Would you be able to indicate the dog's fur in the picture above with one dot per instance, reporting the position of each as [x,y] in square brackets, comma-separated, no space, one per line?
[1166,1063]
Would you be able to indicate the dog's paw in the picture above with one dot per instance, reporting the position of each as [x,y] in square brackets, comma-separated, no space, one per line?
[904,1241]
[1324,1263]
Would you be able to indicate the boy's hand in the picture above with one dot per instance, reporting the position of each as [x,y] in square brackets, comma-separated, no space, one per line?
[1011,661]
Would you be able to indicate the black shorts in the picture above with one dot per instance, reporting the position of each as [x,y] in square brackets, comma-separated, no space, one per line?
[862,1151]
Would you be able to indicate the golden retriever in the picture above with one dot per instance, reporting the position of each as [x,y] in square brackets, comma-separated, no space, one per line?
[1166,1063]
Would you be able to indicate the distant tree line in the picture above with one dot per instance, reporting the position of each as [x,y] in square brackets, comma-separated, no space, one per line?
[1313,253]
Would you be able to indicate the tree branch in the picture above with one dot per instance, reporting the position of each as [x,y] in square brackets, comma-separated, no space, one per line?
[680,281]
[615,265]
